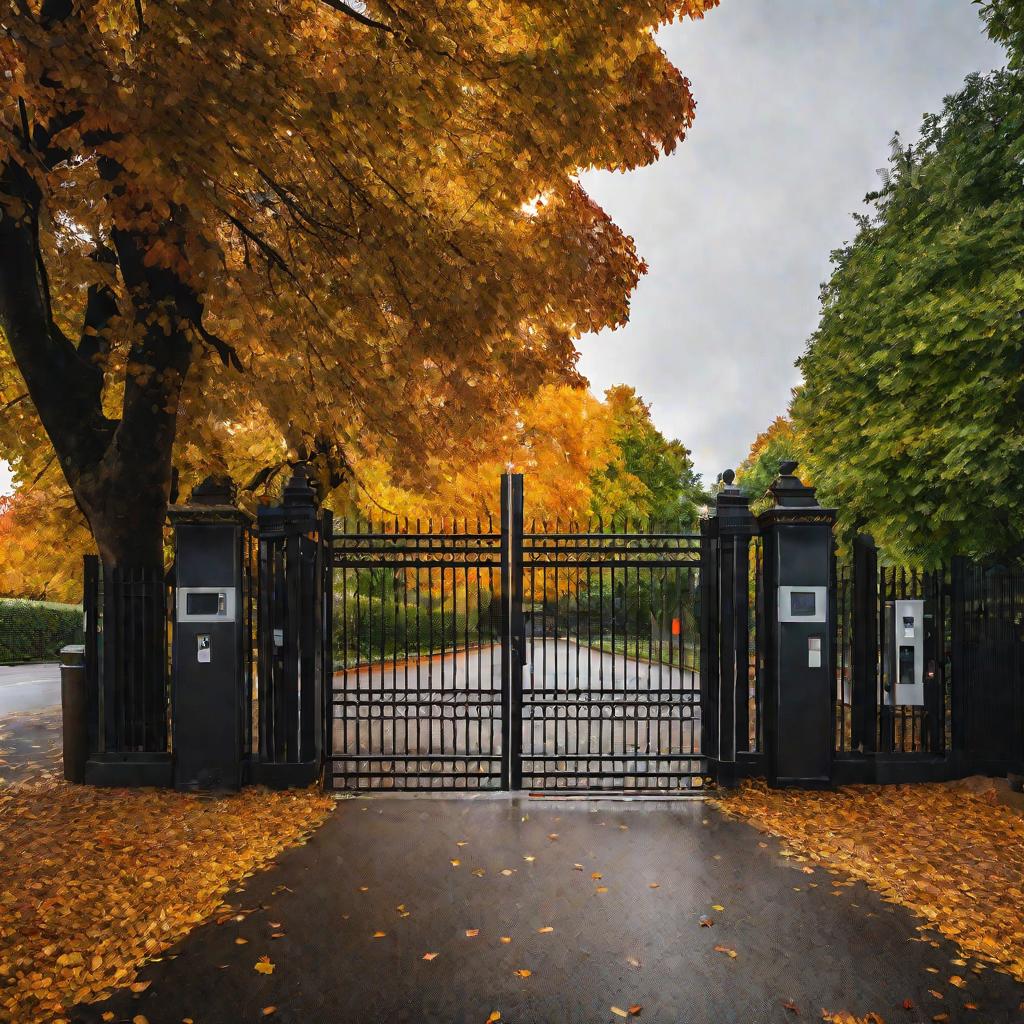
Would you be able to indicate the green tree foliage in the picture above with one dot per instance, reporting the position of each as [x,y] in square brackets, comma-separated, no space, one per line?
[911,411]
[771,448]
[1005,22]
[650,477]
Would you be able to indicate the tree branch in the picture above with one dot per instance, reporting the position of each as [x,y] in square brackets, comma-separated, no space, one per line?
[351,12]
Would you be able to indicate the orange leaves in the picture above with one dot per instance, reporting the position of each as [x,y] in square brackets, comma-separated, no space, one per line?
[264,965]
[88,850]
[842,1017]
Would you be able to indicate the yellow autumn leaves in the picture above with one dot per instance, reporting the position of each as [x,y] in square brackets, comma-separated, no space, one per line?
[93,883]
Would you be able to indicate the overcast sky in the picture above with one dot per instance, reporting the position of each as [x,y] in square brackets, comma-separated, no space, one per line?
[796,103]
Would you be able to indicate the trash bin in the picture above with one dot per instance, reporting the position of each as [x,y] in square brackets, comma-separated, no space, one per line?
[73,705]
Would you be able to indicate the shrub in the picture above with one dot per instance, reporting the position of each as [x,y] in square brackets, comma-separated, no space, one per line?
[36,630]
[370,628]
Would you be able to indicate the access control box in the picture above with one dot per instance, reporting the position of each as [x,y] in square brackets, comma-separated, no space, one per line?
[903,672]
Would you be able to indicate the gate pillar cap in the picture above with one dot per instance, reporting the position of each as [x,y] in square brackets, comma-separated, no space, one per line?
[300,500]
[787,490]
[732,508]
[212,501]
[792,499]
[299,490]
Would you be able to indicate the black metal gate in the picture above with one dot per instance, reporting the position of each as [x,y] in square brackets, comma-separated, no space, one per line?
[559,657]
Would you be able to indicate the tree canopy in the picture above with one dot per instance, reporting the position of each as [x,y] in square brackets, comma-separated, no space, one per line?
[773,446]
[648,477]
[582,457]
[912,408]
[305,229]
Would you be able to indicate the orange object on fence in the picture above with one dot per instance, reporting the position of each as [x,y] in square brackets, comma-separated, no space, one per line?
[676,627]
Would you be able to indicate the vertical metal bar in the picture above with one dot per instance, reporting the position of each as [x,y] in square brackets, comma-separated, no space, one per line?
[865,644]
[506,631]
[710,633]
[513,636]
[327,646]
[959,682]
[91,624]
[110,676]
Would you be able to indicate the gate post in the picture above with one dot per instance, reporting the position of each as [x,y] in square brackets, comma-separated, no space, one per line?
[291,642]
[727,629]
[208,665]
[864,732]
[799,565]
[513,631]
[709,629]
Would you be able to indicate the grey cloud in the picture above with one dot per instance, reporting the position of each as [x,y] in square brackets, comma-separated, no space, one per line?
[797,101]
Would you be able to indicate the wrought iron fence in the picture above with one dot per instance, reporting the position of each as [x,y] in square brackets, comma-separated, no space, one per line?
[756,650]
[127,614]
[987,659]
[866,719]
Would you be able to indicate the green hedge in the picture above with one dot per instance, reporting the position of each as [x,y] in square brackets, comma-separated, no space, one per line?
[368,628]
[37,630]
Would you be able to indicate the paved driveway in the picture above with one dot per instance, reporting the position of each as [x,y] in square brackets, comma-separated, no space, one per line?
[28,687]
[581,944]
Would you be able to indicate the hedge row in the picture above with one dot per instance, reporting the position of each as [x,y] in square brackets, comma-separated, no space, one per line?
[37,630]
[368,628]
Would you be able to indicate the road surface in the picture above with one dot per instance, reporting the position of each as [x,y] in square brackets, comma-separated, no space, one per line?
[28,687]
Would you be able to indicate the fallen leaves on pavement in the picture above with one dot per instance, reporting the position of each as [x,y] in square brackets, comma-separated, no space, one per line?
[841,1017]
[94,882]
[953,856]
[264,966]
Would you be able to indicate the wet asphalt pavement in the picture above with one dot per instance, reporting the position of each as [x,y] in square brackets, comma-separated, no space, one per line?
[630,938]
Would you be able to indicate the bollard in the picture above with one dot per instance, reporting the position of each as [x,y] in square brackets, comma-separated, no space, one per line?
[73,706]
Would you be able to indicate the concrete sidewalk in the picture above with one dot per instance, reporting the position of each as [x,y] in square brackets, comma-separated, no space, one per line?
[622,887]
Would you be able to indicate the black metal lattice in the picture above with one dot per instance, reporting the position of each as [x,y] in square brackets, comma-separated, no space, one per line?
[470,656]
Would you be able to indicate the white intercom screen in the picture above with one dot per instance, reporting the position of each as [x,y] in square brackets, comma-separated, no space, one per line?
[802,602]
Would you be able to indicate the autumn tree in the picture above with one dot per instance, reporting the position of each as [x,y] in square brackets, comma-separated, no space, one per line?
[42,540]
[362,219]
[773,446]
[582,457]
[912,407]
[649,477]
[557,438]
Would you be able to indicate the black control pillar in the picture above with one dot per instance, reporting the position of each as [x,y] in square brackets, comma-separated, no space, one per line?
[208,668]
[800,659]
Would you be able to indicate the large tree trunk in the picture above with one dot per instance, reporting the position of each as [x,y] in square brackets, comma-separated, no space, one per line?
[118,470]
